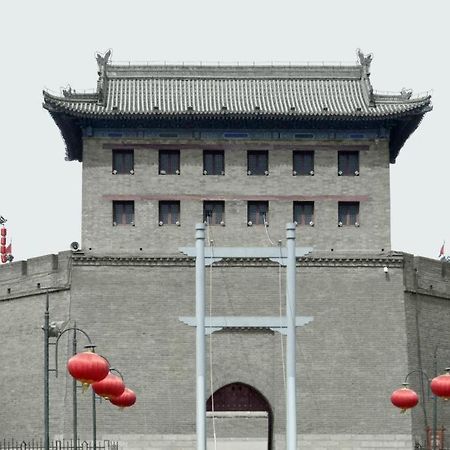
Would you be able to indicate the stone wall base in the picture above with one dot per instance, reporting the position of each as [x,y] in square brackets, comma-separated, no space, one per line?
[305,442]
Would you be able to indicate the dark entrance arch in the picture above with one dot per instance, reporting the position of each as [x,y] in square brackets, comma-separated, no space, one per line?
[242,397]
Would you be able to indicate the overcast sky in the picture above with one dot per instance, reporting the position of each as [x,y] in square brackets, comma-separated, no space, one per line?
[50,44]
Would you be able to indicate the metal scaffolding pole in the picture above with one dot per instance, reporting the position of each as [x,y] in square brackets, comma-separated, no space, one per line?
[200,334]
[291,413]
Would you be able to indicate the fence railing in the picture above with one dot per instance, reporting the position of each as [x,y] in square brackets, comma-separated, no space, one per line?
[58,445]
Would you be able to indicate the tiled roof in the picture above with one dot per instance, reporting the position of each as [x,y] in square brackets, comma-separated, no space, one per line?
[312,92]
[235,97]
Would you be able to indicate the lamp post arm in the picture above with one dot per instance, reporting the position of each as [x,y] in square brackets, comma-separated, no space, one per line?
[112,369]
[422,372]
[57,341]
[428,380]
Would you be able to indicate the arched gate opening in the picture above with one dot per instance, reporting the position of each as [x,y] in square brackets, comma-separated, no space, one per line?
[240,397]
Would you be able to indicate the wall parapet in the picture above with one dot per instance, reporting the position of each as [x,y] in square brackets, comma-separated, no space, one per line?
[33,276]
[427,276]
[390,260]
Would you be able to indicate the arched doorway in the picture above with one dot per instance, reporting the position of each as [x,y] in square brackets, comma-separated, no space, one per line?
[238,397]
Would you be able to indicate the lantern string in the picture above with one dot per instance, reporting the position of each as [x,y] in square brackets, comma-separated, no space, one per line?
[211,245]
[280,298]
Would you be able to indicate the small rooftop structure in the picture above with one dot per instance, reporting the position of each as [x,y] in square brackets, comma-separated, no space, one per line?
[175,96]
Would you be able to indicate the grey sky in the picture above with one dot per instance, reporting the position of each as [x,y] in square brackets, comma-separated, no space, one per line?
[52,44]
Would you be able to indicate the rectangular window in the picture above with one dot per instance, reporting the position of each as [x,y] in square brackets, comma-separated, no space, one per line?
[123,162]
[214,212]
[304,213]
[213,162]
[258,162]
[169,213]
[348,163]
[303,163]
[123,213]
[348,213]
[257,213]
[169,162]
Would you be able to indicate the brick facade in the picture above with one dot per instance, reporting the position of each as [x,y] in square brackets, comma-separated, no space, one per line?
[146,187]
[356,352]
[129,285]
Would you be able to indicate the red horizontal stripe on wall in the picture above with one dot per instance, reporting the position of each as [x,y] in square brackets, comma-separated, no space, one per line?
[285,198]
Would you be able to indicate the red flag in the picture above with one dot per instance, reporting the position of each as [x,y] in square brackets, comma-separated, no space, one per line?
[441,251]
[9,249]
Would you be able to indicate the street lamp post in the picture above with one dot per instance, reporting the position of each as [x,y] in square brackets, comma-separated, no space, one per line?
[56,330]
[406,398]
[74,381]
[51,330]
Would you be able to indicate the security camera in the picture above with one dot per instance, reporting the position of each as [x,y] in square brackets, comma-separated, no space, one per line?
[74,246]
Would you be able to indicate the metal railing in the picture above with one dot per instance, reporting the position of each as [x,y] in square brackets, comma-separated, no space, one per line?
[58,445]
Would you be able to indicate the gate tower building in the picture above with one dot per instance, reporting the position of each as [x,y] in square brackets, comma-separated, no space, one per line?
[245,149]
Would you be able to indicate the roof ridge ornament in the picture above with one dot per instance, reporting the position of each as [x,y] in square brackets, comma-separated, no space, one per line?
[406,93]
[102,62]
[365,61]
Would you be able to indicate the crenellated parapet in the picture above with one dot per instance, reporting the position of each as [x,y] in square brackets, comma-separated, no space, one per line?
[30,277]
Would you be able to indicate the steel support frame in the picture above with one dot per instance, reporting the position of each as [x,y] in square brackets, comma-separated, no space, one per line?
[291,395]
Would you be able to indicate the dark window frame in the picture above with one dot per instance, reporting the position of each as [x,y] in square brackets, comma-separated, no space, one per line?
[213,162]
[123,162]
[169,162]
[169,212]
[123,212]
[348,163]
[257,162]
[303,213]
[260,213]
[303,162]
[348,213]
[217,209]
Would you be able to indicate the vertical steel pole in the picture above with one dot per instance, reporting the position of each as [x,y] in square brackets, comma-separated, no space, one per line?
[200,335]
[94,421]
[46,376]
[435,401]
[74,392]
[291,414]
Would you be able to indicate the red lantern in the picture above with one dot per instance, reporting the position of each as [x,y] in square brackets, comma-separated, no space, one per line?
[441,385]
[404,398]
[3,231]
[3,240]
[128,398]
[110,386]
[4,258]
[88,368]
[3,250]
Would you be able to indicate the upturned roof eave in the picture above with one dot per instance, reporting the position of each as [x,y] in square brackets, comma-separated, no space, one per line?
[419,108]
[71,125]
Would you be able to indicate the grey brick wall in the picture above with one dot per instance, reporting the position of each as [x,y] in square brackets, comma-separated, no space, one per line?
[363,341]
[100,237]
[22,306]
[427,306]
